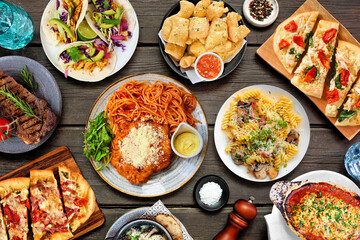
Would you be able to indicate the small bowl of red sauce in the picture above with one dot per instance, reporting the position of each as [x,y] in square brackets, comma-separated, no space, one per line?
[209,66]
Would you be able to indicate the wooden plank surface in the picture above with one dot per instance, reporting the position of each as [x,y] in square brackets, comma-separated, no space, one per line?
[266,52]
[326,150]
[60,156]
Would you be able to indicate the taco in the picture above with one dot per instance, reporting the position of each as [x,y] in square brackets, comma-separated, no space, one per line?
[87,61]
[61,19]
[112,20]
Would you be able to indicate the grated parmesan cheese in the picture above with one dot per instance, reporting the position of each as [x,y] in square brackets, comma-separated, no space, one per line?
[142,146]
[210,193]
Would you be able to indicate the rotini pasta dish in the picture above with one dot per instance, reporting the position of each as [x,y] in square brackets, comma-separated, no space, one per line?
[262,131]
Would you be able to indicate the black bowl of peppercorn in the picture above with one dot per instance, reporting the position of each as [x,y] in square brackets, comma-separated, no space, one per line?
[260,13]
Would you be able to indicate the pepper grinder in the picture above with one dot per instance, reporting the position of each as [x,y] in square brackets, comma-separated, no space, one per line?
[243,212]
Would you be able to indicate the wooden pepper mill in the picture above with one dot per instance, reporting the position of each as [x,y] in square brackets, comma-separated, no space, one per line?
[243,212]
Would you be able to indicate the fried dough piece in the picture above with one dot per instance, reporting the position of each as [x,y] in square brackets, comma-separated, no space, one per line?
[179,31]
[218,34]
[216,10]
[198,28]
[186,9]
[174,51]
[236,32]
[201,8]
[187,61]
[196,48]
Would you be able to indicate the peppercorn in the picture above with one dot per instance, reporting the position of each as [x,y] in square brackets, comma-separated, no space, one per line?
[260,9]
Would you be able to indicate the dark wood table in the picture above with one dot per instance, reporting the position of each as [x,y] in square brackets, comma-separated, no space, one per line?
[326,150]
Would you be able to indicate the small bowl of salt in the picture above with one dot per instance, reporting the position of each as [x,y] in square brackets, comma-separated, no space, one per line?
[211,193]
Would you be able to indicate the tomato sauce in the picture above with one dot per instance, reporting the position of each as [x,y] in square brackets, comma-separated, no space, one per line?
[208,66]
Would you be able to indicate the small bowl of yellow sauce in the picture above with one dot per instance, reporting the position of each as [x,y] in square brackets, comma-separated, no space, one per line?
[186,142]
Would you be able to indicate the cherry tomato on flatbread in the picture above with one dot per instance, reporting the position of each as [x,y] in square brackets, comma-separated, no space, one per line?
[291,26]
[5,129]
[80,202]
[27,204]
[299,40]
[344,76]
[328,35]
[310,75]
[283,44]
[323,59]
[332,96]
[12,216]
[357,104]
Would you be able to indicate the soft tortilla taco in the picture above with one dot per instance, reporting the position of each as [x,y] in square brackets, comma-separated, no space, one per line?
[112,20]
[87,61]
[61,19]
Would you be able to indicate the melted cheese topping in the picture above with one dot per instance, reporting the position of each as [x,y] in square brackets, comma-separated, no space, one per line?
[326,216]
[16,201]
[142,145]
[49,204]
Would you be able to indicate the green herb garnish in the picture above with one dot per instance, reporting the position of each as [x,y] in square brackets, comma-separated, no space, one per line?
[311,41]
[334,70]
[346,114]
[292,51]
[27,80]
[297,57]
[307,36]
[97,141]
[331,47]
[74,53]
[338,84]
[24,107]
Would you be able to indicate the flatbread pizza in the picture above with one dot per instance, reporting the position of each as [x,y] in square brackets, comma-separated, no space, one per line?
[350,115]
[346,70]
[14,196]
[291,38]
[47,214]
[3,234]
[79,198]
[311,74]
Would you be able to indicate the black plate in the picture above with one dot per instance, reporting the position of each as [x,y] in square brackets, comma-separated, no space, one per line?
[47,90]
[223,199]
[228,67]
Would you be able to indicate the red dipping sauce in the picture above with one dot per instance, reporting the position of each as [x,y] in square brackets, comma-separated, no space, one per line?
[209,66]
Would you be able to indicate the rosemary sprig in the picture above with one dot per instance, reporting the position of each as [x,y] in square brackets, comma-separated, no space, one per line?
[27,80]
[25,107]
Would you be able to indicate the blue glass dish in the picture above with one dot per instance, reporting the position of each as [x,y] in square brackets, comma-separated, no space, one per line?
[352,161]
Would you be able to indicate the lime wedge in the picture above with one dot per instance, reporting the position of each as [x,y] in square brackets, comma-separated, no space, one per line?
[84,31]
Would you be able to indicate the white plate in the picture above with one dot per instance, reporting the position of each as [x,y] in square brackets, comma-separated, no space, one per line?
[122,57]
[317,176]
[221,140]
[179,172]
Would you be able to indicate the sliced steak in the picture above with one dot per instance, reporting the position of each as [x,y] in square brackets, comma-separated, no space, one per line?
[30,129]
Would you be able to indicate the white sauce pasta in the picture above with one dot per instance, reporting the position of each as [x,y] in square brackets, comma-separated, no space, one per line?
[262,132]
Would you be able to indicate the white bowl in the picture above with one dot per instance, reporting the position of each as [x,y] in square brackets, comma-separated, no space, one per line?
[182,128]
[207,79]
[267,21]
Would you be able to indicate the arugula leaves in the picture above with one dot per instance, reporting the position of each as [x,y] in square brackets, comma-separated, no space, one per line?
[346,114]
[338,84]
[74,53]
[97,141]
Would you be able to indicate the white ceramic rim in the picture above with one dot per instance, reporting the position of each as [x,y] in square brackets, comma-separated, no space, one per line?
[267,21]
[206,79]
[193,130]
[221,138]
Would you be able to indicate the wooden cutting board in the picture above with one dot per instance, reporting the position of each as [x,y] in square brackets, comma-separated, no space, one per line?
[52,160]
[267,53]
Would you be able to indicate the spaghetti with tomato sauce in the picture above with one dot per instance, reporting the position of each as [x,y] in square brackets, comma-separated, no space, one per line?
[143,116]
